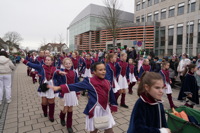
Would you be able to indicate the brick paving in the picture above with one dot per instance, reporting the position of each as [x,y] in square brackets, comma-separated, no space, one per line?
[24,113]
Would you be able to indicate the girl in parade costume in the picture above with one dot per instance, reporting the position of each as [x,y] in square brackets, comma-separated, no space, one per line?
[148,115]
[112,73]
[69,99]
[33,72]
[140,62]
[60,59]
[189,87]
[145,67]
[101,101]
[47,72]
[167,81]
[103,60]
[123,79]
[28,57]
[132,75]
[95,57]
[75,62]
[86,67]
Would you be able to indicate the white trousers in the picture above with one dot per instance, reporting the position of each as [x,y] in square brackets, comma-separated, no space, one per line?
[5,81]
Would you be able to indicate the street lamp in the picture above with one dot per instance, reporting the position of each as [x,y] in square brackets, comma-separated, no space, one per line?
[189,29]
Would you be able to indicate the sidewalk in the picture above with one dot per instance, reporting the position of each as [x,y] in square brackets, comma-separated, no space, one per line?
[24,113]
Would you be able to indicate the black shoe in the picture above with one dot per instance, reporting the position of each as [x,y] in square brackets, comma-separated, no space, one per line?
[131,93]
[70,130]
[62,122]
[51,119]
[124,105]
[45,115]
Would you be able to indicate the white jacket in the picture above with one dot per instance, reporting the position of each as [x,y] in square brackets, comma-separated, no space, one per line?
[6,65]
[182,65]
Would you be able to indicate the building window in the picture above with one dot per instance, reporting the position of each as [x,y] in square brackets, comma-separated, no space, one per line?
[162,36]
[143,4]
[162,0]
[180,34]
[156,1]
[190,32]
[149,18]
[138,6]
[181,8]
[97,39]
[191,6]
[157,37]
[163,14]
[171,11]
[170,35]
[137,19]
[142,18]
[156,16]
[149,2]
[199,32]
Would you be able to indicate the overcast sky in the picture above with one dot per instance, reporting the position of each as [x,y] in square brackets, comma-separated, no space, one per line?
[39,20]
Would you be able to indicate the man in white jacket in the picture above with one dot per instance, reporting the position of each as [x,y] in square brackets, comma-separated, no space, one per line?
[6,67]
[182,66]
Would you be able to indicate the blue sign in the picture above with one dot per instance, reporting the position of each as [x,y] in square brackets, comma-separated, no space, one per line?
[134,42]
[139,43]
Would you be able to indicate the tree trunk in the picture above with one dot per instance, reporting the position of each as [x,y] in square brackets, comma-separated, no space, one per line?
[114,43]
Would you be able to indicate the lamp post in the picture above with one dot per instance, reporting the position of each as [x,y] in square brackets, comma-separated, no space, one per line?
[144,21]
[189,31]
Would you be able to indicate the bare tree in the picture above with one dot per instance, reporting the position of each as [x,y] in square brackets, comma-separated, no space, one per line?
[111,18]
[43,42]
[61,39]
[12,38]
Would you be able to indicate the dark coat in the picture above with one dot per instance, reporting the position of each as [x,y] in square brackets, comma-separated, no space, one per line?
[148,116]
[189,86]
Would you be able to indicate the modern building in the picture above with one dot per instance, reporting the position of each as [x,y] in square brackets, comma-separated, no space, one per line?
[102,39]
[90,20]
[179,30]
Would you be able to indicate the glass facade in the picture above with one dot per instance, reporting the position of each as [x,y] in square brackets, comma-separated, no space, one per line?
[170,36]
[87,24]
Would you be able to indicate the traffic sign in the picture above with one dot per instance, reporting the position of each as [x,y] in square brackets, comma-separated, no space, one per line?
[134,42]
[139,43]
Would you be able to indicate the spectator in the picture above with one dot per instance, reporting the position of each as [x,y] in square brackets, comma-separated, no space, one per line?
[182,66]
[197,74]
[173,70]
[18,58]
[6,67]
[157,66]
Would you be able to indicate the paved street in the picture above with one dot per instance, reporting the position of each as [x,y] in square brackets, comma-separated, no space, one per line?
[24,113]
